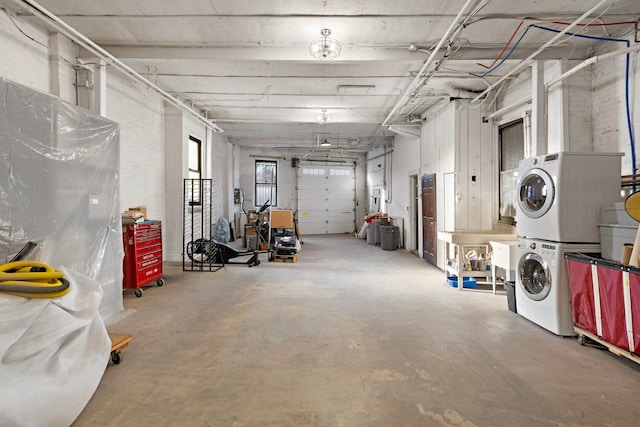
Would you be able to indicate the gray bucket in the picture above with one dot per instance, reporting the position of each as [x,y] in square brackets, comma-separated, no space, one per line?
[389,237]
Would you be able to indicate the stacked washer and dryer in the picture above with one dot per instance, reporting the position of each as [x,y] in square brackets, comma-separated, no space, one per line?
[559,201]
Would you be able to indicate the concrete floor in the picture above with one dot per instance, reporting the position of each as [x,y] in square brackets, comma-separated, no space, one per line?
[351,335]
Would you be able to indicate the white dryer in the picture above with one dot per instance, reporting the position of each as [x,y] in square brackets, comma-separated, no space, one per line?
[560,195]
[542,288]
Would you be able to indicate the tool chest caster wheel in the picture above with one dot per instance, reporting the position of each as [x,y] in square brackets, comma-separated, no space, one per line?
[138,292]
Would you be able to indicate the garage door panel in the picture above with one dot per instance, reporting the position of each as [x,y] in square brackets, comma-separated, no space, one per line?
[340,184]
[341,195]
[340,213]
[326,197]
[312,195]
[311,204]
[313,184]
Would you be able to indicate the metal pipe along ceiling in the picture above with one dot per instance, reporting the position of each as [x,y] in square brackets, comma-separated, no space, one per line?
[70,32]
[526,61]
[446,35]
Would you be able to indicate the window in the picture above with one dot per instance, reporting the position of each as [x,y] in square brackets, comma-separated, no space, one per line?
[266,182]
[195,158]
[511,151]
[195,171]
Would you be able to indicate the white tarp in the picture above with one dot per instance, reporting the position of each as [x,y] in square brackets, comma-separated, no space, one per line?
[53,353]
[59,187]
[59,167]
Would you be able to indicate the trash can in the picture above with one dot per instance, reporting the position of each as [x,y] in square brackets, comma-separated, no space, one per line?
[371,238]
[389,237]
[376,233]
[510,287]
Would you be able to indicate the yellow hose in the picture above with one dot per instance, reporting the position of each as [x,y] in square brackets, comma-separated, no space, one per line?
[17,278]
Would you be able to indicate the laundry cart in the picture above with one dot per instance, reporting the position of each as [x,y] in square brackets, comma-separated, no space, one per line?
[605,297]
[142,263]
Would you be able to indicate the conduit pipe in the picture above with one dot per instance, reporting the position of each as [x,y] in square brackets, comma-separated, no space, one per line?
[526,61]
[429,60]
[375,157]
[73,34]
[512,106]
[590,61]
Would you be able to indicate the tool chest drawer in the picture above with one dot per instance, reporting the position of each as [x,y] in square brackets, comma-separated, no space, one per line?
[142,263]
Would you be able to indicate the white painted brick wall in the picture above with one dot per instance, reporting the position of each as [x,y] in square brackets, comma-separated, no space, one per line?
[580,106]
[24,61]
[139,113]
[406,161]
[610,130]
[514,90]
[175,171]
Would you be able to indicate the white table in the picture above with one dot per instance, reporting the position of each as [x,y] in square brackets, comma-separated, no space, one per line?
[503,256]
[455,244]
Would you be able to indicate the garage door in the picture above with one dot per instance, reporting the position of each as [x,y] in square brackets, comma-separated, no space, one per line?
[326,199]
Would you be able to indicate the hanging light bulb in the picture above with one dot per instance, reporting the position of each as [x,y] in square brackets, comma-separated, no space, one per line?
[325,143]
[325,47]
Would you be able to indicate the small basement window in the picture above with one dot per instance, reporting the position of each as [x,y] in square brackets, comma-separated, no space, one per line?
[266,182]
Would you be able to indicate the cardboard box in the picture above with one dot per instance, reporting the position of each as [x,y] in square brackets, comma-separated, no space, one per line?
[142,209]
[281,218]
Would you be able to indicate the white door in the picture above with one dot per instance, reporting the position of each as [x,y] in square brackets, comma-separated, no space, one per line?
[326,199]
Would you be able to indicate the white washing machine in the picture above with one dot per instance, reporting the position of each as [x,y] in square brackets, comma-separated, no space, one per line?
[560,195]
[542,287]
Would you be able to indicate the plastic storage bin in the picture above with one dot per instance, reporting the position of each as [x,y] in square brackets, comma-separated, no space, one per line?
[467,282]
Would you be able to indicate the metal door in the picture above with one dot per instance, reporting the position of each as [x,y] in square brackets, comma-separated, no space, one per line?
[535,276]
[326,199]
[536,192]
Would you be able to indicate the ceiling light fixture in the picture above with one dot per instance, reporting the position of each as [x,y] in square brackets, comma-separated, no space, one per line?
[325,143]
[325,47]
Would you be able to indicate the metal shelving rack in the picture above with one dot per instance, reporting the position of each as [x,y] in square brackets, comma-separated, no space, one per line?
[199,253]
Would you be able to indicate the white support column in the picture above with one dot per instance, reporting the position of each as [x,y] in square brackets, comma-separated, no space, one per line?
[557,108]
[539,110]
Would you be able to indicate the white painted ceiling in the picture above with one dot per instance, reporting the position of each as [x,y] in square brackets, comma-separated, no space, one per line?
[246,63]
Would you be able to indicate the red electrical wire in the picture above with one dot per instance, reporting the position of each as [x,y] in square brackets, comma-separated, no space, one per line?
[503,49]
[634,23]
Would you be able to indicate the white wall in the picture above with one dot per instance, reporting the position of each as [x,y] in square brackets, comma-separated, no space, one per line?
[152,163]
[405,161]
[610,130]
[140,115]
[24,61]
[246,157]
[285,193]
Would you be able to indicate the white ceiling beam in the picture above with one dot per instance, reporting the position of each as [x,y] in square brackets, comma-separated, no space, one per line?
[301,54]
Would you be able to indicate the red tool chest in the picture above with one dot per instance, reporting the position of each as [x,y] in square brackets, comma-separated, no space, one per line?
[142,264]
